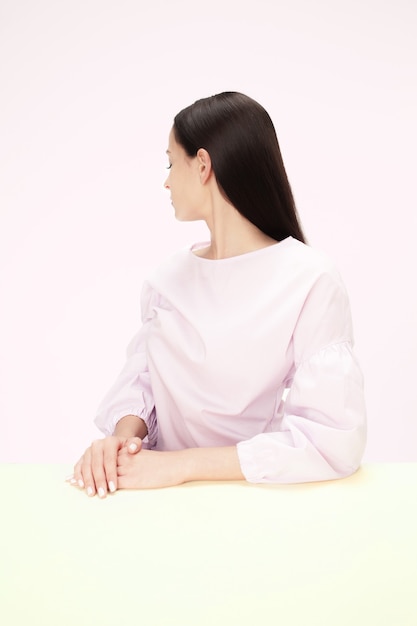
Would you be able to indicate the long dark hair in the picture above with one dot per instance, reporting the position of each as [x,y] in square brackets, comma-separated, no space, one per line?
[240,137]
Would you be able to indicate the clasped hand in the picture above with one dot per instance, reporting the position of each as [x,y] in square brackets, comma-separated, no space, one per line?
[114,463]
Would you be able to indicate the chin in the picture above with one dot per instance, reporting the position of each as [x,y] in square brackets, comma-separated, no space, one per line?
[184,214]
[187,217]
[184,218]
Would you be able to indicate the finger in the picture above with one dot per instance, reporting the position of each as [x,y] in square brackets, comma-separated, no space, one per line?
[121,455]
[123,461]
[121,469]
[134,444]
[97,468]
[87,474]
[78,475]
[111,449]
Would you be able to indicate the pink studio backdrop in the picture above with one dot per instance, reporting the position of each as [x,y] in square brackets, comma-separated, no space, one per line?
[88,93]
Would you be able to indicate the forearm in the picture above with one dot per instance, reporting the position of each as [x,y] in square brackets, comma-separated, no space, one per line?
[131,426]
[210,464]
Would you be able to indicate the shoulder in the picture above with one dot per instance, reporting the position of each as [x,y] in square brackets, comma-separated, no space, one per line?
[171,272]
[307,267]
[175,264]
[323,279]
[308,257]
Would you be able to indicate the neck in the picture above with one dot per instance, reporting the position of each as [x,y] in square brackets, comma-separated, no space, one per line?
[231,233]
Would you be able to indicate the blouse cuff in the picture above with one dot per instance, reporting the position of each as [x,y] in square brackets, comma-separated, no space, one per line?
[107,421]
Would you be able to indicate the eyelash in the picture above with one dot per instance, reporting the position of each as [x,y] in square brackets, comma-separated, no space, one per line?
[169,166]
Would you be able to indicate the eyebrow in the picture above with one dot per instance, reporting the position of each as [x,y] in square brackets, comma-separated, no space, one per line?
[168,151]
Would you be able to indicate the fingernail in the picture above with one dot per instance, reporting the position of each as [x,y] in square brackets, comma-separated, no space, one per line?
[101,492]
[89,491]
[133,447]
[112,487]
[81,483]
[73,481]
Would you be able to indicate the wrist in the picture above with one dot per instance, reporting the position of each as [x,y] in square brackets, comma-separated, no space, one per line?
[131,426]
[209,464]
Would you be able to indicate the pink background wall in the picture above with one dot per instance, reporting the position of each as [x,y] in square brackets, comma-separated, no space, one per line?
[88,93]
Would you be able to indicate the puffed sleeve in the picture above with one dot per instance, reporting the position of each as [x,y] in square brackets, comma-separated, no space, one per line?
[322,422]
[131,394]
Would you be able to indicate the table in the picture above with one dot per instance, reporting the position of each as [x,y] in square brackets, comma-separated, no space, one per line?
[337,553]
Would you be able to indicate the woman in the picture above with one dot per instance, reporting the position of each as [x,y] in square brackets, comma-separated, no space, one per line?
[243,368]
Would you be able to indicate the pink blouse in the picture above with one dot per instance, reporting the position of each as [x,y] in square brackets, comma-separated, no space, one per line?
[254,351]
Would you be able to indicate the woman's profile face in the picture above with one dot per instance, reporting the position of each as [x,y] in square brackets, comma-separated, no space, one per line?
[183,182]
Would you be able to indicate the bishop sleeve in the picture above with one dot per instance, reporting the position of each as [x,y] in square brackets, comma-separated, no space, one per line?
[322,421]
[131,394]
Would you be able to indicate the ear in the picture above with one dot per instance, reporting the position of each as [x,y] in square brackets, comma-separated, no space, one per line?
[204,165]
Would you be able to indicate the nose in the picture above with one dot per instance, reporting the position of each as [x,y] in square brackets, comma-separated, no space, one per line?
[166,186]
